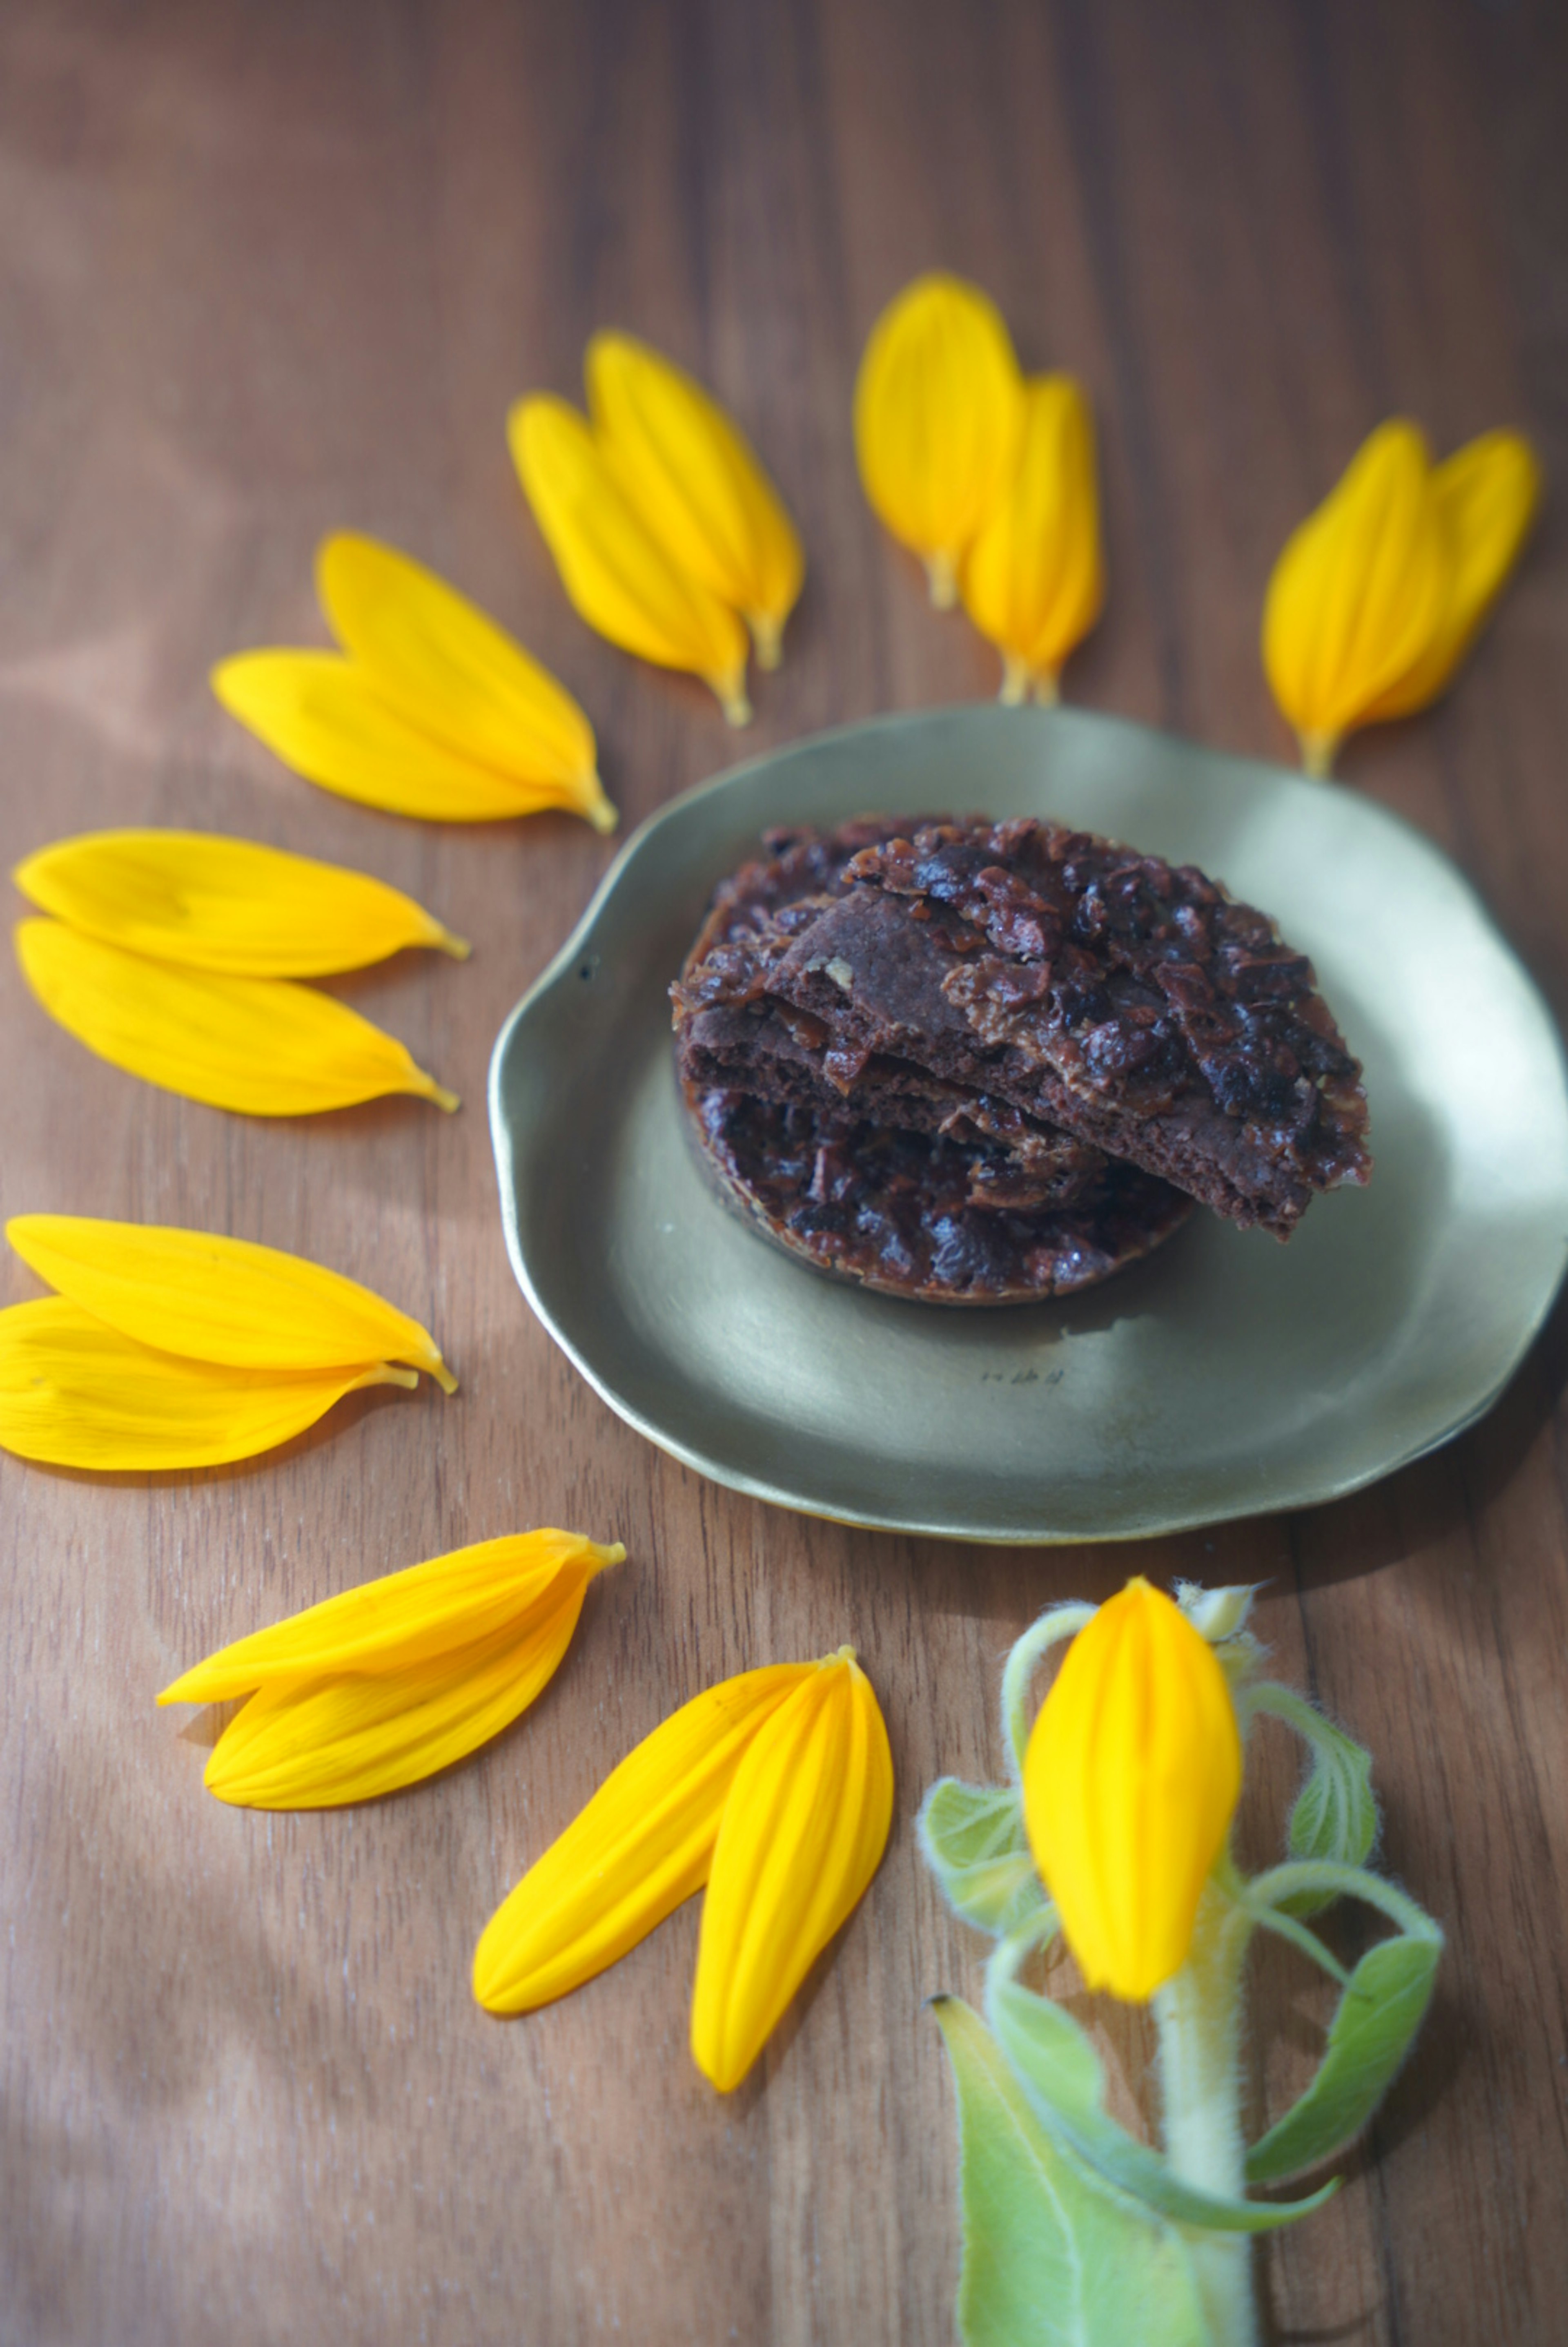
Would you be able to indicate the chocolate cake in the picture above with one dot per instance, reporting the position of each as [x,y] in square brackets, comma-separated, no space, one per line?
[973,1018]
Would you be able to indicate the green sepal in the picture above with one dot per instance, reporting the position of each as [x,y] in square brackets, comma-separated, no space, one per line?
[1050,2255]
[1335,1818]
[1063,2080]
[975,1843]
[1376,2019]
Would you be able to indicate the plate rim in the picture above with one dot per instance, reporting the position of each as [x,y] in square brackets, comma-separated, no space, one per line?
[716,1471]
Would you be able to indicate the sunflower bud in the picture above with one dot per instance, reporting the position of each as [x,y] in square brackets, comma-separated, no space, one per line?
[1130,1782]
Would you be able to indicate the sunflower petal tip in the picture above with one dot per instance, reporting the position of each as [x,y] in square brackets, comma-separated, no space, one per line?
[733,700]
[600,812]
[443,1375]
[767,635]
[721,2076]
[941,576]
[1317,755]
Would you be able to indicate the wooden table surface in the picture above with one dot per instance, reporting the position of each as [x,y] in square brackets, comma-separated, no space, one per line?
[264,272]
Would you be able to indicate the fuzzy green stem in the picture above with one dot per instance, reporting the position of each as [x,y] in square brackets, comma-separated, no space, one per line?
[1321,1877]
[1198,2015]
[1058,1623]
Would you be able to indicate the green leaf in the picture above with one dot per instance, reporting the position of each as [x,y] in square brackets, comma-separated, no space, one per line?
[1335,1818]
[1060,2073]
[975,1843]
[1050,2256]
[1369,2037]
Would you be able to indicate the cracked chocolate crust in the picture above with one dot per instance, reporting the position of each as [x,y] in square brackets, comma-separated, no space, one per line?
[1092,991]
[921,1214]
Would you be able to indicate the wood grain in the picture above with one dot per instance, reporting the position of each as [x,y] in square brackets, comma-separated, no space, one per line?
[264,272]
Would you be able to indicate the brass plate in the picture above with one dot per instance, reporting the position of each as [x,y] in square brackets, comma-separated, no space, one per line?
[1226,1375]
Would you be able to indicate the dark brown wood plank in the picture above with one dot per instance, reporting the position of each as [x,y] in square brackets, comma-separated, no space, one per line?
[267,271]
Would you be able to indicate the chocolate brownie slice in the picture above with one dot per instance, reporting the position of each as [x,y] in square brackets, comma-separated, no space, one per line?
[1084,989]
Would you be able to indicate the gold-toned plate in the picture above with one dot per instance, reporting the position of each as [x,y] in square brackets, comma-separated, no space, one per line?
[1227,1375]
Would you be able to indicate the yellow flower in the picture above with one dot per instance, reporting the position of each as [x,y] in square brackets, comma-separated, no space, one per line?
[75,1392]
[219,1300]
[1034,580]
[696,482]
[262,1046]
[1130,1782]
[939,413]
[776,1789]
[1379,594]
[431,709]
[227,905]
[616,575]
[391,1681]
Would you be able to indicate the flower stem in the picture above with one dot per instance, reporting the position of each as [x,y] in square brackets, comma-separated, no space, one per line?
[1198,2015]
[1057,1623]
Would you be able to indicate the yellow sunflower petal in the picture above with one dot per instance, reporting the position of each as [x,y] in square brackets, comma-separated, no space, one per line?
[330,719]
[263,1046]
[615,573]
[641,1846]
[1033,579]
[456,675]
[219,1300]
[939,411]
[1359,592]
[408,1618]
[1130,1782]
[1488,494]
[697,484]
[227,905]
[76,1393]
[318,1743]
[803,1832]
